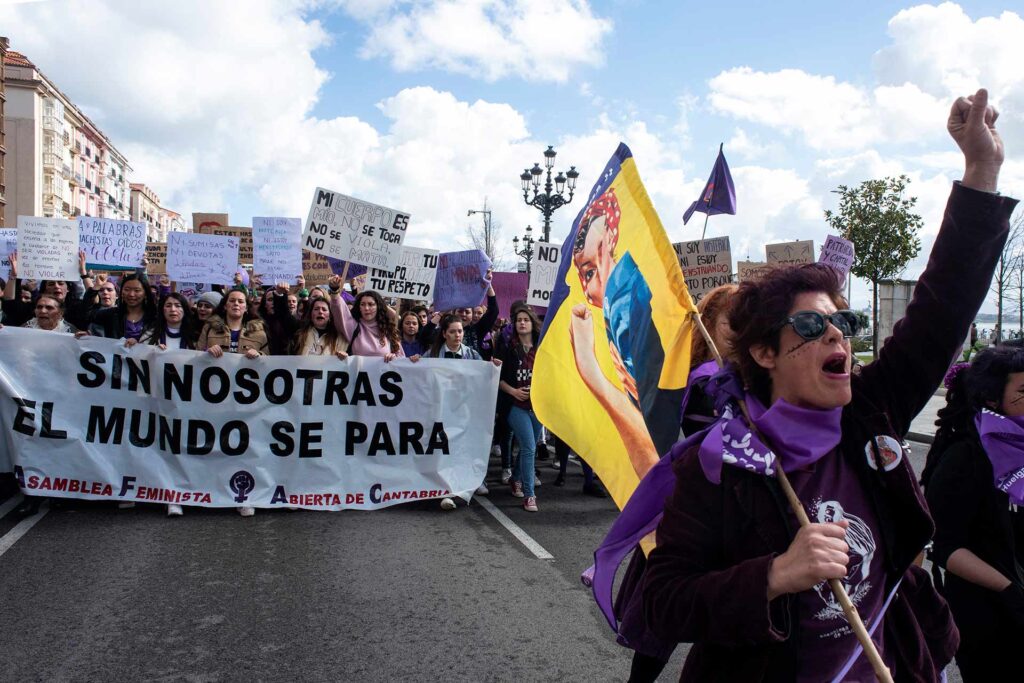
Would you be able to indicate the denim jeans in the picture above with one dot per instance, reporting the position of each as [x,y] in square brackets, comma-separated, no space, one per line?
[526,428]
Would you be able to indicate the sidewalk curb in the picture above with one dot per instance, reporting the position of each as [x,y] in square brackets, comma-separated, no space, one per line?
[920,438]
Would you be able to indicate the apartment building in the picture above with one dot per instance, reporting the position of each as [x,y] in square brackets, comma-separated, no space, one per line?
[4,44]
[145,208]
[59,163]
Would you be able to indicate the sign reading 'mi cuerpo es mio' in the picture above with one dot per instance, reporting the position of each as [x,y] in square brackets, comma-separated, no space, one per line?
[706,264]
[543,273]
[94,420]
[350,229]
[412,278]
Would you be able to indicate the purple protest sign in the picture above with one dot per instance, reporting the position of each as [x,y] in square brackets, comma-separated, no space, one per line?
[461,281]
[338,267]
[837,253]
[509,288]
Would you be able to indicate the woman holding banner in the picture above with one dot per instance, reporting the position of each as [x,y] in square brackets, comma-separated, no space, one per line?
[374,333]
[317,335]
[975,491]
[411,346]
[174,328]
[134,313]
[733,572]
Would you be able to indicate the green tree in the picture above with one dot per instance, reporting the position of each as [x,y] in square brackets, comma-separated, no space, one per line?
[878,218]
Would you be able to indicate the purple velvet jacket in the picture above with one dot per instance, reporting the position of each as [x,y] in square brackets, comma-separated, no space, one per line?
[706,582]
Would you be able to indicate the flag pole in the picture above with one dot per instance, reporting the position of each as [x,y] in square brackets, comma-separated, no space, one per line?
[852,616]
[706,217]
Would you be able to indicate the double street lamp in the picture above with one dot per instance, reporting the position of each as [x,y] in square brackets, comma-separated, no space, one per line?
[548,201]
[527,249]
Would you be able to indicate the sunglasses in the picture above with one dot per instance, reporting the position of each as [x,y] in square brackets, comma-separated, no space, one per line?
[811,325]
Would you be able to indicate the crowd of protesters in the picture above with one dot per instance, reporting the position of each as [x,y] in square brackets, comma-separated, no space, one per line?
[333,319]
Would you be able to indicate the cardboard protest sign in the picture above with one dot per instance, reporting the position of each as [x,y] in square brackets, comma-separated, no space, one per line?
[156,254]
[277,250]
[750,271]
[838,253]
[353,230]
[8,243]
[460,279]
[706,264]
[242,235]
[790,253]
[209,220]
[544,273]
[202,258]
[315,268]
[412,278]
[47,249]
[110,244]
[508,289]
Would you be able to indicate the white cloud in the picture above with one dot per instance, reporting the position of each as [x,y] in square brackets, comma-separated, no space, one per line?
[488,39]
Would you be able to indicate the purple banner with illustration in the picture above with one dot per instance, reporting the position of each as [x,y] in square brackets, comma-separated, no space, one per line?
[461,279]
[509,288]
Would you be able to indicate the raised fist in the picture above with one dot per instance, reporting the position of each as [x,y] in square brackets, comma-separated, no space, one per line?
[972,124]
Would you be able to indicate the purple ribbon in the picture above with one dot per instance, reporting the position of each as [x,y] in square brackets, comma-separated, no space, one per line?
[1003,440]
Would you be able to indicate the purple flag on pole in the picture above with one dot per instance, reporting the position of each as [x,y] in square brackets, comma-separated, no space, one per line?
[719,194]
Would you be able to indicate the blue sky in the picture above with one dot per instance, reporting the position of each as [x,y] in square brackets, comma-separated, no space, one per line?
[430,106]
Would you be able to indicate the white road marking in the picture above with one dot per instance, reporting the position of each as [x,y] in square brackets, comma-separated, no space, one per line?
[10,504]
[21,528]
[536,548]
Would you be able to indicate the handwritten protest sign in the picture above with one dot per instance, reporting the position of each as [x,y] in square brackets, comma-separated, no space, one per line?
[751,271]
[47,248]
[543,273]
[277,250]
[8,243]
[412,278]
[156,254]
[460,279]
[706,264]
[838,253]
[242,235]
[110,244]
[790,253]
[353,230]
[315,268]
[209,220]
[508,289]
[202,258]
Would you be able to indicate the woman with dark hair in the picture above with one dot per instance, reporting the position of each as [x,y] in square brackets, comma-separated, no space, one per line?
[279,317]
[733,572]
[411,346]
[373,332]
[135,311]
[174,328]
[317,335]
[974,484]
[516,381]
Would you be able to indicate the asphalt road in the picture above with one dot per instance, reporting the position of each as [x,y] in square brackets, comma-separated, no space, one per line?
[90,592]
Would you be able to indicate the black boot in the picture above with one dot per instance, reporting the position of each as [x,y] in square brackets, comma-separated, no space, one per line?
[28,507]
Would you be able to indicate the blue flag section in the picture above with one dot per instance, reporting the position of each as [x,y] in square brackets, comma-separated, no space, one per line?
[719,195]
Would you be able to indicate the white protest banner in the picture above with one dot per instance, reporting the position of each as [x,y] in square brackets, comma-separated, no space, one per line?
[202,258]
[838,253]
[353,230]
[412,278]
[790,253]
[751,271]
[706,264]
[8,243]
[94,420]
[461,279]
[47,249]
[110,244]
[277,249]
[543,273]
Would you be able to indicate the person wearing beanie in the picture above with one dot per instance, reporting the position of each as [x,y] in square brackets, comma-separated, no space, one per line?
[206,304]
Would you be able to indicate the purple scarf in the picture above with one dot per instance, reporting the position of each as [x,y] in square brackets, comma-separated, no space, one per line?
[806,434]
[1003,440]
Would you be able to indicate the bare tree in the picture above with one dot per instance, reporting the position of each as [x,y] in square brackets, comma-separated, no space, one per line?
[484,237]
[1006,282]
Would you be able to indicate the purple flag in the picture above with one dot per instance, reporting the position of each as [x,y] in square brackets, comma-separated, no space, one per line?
[719,194]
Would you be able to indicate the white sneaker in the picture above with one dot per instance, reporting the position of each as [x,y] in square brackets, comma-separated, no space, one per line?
[536,480]
[447,504]
[246,511]
[125,505]
[506,474]
[482,490]
[174,510]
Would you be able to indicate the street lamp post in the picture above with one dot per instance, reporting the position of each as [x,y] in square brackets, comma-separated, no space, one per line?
[488,241]
[527,250]
[546,202]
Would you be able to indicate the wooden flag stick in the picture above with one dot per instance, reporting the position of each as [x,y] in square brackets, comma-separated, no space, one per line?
[852,616]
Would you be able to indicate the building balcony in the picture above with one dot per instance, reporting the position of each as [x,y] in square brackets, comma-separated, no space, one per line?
[77,147]
[67,139]
[76,212]
[65,171]
[51,160]
[66,207]
[88,184]
[53,123]
[76,179]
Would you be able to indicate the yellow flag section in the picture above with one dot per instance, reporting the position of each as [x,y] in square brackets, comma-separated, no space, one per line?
[614,356]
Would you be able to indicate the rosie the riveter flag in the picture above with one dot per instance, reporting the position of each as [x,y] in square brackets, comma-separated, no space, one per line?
[615,351]
[91,419]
